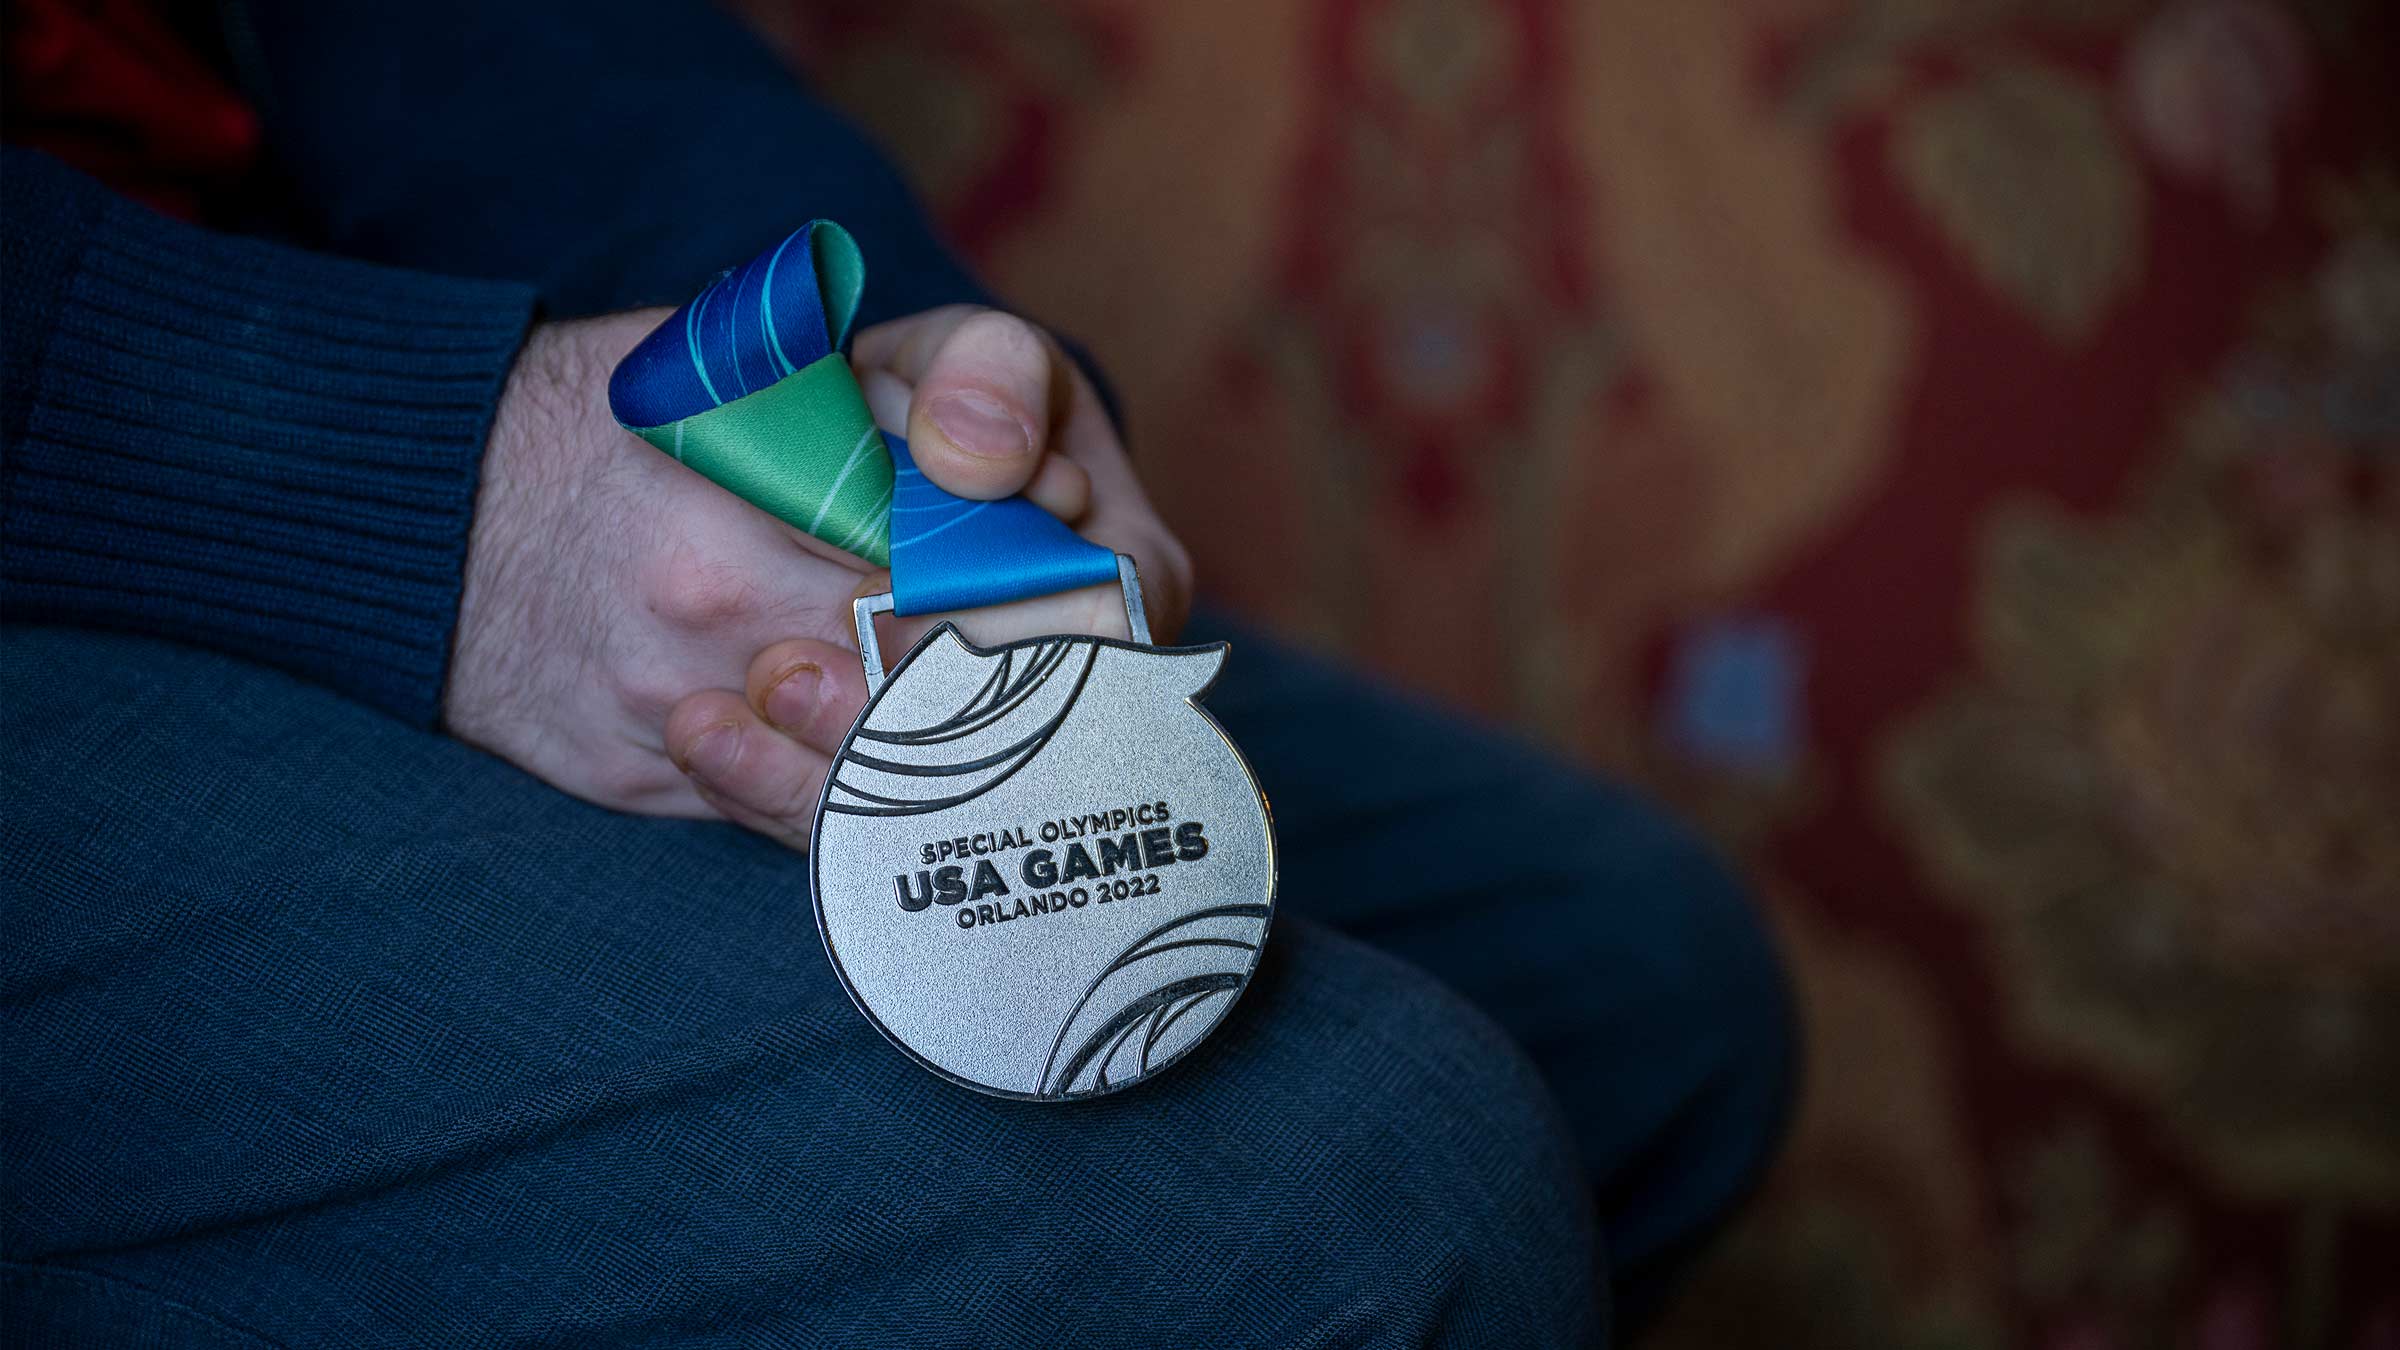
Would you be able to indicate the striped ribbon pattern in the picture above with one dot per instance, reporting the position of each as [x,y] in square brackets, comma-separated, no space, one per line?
[749,385]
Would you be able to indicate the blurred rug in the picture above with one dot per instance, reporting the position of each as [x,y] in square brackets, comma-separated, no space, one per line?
[1946,446]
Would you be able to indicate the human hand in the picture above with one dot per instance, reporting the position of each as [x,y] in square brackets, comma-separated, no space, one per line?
[637,636]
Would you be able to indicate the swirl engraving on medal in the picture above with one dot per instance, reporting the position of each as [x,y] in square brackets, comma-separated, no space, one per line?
[1145,1019]
[1009,702]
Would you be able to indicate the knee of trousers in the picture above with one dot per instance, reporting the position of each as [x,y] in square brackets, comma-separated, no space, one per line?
[1400,1147]
[1710,953]
[1682,961]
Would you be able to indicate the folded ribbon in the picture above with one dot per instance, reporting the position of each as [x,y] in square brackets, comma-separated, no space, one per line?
[749,385]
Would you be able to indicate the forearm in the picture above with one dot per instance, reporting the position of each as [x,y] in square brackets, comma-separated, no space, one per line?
[239,445]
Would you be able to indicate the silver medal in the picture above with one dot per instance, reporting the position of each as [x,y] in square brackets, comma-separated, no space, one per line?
[1042,870]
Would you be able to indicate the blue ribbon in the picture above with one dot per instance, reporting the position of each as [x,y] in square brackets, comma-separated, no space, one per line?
[747,383]
[952,553]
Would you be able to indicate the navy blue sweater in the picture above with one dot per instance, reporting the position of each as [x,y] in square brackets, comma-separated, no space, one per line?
[272,449]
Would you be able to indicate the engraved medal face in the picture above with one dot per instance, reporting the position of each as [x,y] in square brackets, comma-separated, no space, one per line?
[1042,870]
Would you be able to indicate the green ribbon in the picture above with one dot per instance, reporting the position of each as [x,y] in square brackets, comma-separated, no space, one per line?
[804,449]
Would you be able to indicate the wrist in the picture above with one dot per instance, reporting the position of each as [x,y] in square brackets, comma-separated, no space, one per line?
[491,602]
[549,442]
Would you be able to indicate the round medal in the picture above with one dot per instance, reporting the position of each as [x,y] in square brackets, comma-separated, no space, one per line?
[1042,870]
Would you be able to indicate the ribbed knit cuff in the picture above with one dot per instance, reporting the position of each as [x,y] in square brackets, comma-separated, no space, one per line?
[260,450]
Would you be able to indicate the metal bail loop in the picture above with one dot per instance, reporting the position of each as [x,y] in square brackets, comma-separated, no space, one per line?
[870,653]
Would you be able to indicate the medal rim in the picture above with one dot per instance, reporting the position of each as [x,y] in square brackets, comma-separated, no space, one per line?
[816,885]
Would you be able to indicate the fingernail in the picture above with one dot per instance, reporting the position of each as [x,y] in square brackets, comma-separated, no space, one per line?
[713,752]
[977,424]
[792,699]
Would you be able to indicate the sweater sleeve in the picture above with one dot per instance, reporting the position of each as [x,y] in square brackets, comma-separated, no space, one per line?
[237,444]
[611,152]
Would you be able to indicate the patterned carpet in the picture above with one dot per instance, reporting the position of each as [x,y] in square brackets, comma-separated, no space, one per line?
[1948,446]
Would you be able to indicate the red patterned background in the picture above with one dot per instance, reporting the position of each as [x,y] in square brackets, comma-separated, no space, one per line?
[1947,446]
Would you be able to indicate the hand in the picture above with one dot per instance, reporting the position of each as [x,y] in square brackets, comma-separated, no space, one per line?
[639,637]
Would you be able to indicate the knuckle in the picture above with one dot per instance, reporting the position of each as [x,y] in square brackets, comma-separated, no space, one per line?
[928,332]
[697,593]
[624,781]
[649,692]
[1003,341]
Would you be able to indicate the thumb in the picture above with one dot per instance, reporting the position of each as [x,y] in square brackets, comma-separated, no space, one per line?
[980,417]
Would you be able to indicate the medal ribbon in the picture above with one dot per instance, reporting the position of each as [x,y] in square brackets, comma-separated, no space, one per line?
[749,384]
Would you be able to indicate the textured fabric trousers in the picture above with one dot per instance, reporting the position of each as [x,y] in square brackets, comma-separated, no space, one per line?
[326,1031]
